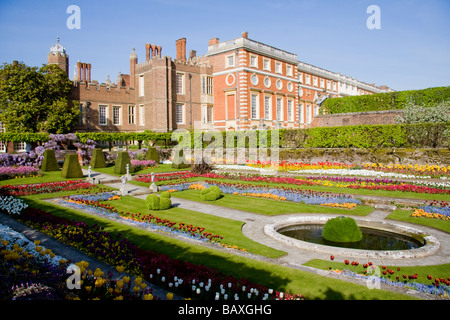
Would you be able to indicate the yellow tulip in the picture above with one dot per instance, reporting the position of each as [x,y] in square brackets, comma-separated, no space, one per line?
[126,279]
[119,284]
[88,288]
[136,289]
[120,268]
[169,295]
[138,281]
[148,296]
[118,298]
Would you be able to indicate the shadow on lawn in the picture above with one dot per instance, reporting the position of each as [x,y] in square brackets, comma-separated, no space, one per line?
[227,264]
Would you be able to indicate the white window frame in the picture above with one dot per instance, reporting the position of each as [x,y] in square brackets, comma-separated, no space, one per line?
[254,79]
[141,86]
[307,79]
[207,114]
[308,114]
[230,63]
[119,115]
[301,119]
[253,63]
[100,108]
[315,81]
[289,70]
[141,115]
[183,113]
[278,67]
[267,79]
[266,64]
[20,146]
[279,84]
[131,114]
[322,83]
[279,108]
[268,107]
[254,105]
[300,77]
[207,85]
[290,110]
[180,82]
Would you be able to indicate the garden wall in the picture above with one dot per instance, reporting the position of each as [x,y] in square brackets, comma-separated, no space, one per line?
[369,155]
[356,118]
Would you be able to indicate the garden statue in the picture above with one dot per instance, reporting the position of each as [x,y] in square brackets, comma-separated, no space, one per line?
[153,187]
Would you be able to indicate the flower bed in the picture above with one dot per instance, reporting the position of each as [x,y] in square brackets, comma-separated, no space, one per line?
[142,164]
[290,194]
[93,203]
[434,210]
[294,166]
[175,275]
[437,286]
[18,172]
[421,170]
[49,187]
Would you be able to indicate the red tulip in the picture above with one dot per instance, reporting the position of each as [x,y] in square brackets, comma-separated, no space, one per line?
[332,257]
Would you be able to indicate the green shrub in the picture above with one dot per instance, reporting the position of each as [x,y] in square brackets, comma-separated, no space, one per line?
[164,203]
[179,160]
[397,100]
[121,163]
[210,194]
[71,167]
[152,154]
[166,194]
[153,202]
[49,163]
[341,229]
[98,159]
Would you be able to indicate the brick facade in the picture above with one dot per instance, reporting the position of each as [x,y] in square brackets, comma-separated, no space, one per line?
[238,84]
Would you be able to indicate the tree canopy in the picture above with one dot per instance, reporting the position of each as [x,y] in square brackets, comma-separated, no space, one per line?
[36,99]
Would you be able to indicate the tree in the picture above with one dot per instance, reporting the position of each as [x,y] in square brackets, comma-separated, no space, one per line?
[34,100]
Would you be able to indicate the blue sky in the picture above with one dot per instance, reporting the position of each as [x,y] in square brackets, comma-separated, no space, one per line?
[410,51]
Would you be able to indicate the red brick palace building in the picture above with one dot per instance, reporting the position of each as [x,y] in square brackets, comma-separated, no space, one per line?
[238,84]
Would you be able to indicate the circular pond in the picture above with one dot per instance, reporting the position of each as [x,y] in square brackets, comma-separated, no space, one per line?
[373,239]
[382,238]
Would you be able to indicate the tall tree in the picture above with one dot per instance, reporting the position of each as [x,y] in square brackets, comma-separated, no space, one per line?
[34,100]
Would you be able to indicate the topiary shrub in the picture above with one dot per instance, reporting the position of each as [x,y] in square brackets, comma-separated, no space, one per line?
[341,229]
[49,163]
[152,154]
[210,194]
[166,194]
[71,167]
[121,163]
[153,202]
[179,160]
[98,159]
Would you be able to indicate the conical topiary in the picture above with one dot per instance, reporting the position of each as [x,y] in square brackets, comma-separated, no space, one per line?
[71,167]
[179,160]
[49,163]
[121,163]
[98,159]
[152,154]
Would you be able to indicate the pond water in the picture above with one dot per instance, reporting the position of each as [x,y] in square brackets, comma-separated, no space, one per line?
[372,239]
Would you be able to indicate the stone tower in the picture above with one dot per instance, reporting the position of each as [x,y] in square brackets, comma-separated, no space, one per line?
[58,56]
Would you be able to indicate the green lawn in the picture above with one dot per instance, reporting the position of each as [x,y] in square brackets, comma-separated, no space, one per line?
[229,229]
[270,207]
[405,215]
[46,177]
[159,169]
[437,271]
[312,286]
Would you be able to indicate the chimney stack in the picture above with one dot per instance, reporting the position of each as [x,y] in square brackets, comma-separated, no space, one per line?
[213,41]
[181,49]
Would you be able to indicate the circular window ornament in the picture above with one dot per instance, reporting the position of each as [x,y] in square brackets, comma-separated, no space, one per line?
[290,86]
[267,82]
[279,84]
[254,79]
[230,79]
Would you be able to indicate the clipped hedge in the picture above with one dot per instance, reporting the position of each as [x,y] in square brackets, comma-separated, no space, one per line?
[120,166]
[387,101]
[98,159]
[341,229]
[210,194]
[153,202]
[152,154]
[49,163]
[71,167]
